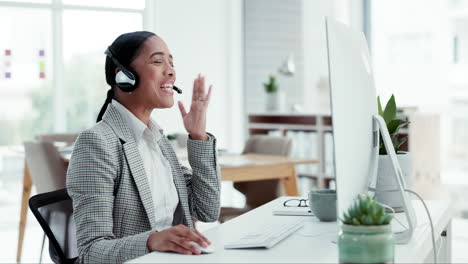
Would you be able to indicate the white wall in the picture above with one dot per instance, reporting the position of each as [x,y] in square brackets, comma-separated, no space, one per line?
[205,36]
[208,36]
[316,92]
[273,30]
[276,28]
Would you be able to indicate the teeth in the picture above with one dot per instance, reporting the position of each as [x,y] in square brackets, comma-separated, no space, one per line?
[168,85]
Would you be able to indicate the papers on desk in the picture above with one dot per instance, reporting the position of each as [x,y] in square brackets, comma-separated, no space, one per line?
[283,210]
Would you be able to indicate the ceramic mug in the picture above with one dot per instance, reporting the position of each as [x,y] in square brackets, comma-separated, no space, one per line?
[323,204]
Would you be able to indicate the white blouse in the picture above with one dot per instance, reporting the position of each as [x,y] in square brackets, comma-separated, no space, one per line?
[157,167]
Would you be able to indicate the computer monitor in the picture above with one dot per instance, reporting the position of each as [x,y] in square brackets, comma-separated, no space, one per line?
[355,120]
[353,105]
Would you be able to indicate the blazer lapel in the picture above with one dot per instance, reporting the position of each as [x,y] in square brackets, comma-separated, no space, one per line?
[134,161]
[138,172]
[179,180]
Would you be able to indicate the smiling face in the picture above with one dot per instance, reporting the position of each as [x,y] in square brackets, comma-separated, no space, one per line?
[155,69]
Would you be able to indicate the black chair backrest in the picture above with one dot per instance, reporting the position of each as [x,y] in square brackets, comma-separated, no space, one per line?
[54,212]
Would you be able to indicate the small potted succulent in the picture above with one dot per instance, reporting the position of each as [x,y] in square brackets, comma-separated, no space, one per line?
[366,234]
[386,182]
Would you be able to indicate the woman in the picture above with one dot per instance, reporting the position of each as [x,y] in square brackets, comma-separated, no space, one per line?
[130,194]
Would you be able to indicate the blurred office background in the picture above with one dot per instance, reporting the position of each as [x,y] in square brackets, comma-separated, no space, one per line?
[52,80]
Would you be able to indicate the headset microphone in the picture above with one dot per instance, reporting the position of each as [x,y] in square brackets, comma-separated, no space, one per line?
[177,89]
[125,79]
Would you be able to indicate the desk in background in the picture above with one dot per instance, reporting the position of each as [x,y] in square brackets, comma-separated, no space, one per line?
[312,243]
[320,123]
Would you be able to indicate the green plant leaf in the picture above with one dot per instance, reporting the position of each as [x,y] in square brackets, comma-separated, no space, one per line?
[380,220]
[387,219]
[362,219]
[372,210]
[393,125]
[401,125]
[402,119]
[365,211]
[356,222]
[379,106]
[368,220]
[390,110]
[381,210]
[271,86]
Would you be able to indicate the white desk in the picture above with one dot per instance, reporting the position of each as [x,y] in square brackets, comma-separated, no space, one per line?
[312,243]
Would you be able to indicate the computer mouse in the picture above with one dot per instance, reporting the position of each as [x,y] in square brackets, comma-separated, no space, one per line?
[207,250]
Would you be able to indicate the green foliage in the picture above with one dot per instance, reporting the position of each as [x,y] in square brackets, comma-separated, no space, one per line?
[366,211]
[171,137]
[394,125]
[271,86]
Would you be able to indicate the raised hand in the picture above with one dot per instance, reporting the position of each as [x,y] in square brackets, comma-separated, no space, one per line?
[195,119]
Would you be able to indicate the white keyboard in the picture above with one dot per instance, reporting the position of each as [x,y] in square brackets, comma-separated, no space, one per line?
[267,236]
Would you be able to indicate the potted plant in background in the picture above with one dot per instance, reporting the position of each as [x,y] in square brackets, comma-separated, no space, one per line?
[271,88]
[387,192]
[366,234]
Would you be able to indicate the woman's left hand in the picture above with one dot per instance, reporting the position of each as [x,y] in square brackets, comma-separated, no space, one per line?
[195,120]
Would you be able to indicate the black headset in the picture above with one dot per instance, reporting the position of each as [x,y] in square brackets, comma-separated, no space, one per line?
[125,79]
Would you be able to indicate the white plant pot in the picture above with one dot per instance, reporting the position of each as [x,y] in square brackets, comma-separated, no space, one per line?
[386,180]
[275,101]
[272,102]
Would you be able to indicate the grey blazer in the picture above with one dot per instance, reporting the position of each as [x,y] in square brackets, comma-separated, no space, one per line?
[112,202]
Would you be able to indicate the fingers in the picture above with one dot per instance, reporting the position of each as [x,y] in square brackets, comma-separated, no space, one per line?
[201,87]
[182,109]
[193,235]
[198,87]
[185,243]
[195,84]
[209,94]
[179,249]
[202,236]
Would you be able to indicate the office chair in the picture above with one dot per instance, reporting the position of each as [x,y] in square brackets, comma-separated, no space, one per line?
[54,212]
[48,173]
[258,193]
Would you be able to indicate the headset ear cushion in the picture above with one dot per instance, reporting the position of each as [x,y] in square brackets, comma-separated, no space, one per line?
[124,82]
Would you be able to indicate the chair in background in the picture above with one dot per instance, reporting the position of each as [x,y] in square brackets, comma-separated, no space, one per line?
[68,138]
[258,193]
[48,173]
[47,168]
[54,212]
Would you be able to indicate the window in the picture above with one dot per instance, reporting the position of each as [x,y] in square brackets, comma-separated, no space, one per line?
[84,43]
[420,54]
[26,73]
[133,4]
[40,38]
[31,100]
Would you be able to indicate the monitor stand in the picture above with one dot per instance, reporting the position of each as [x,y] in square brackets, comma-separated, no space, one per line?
[402,237]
